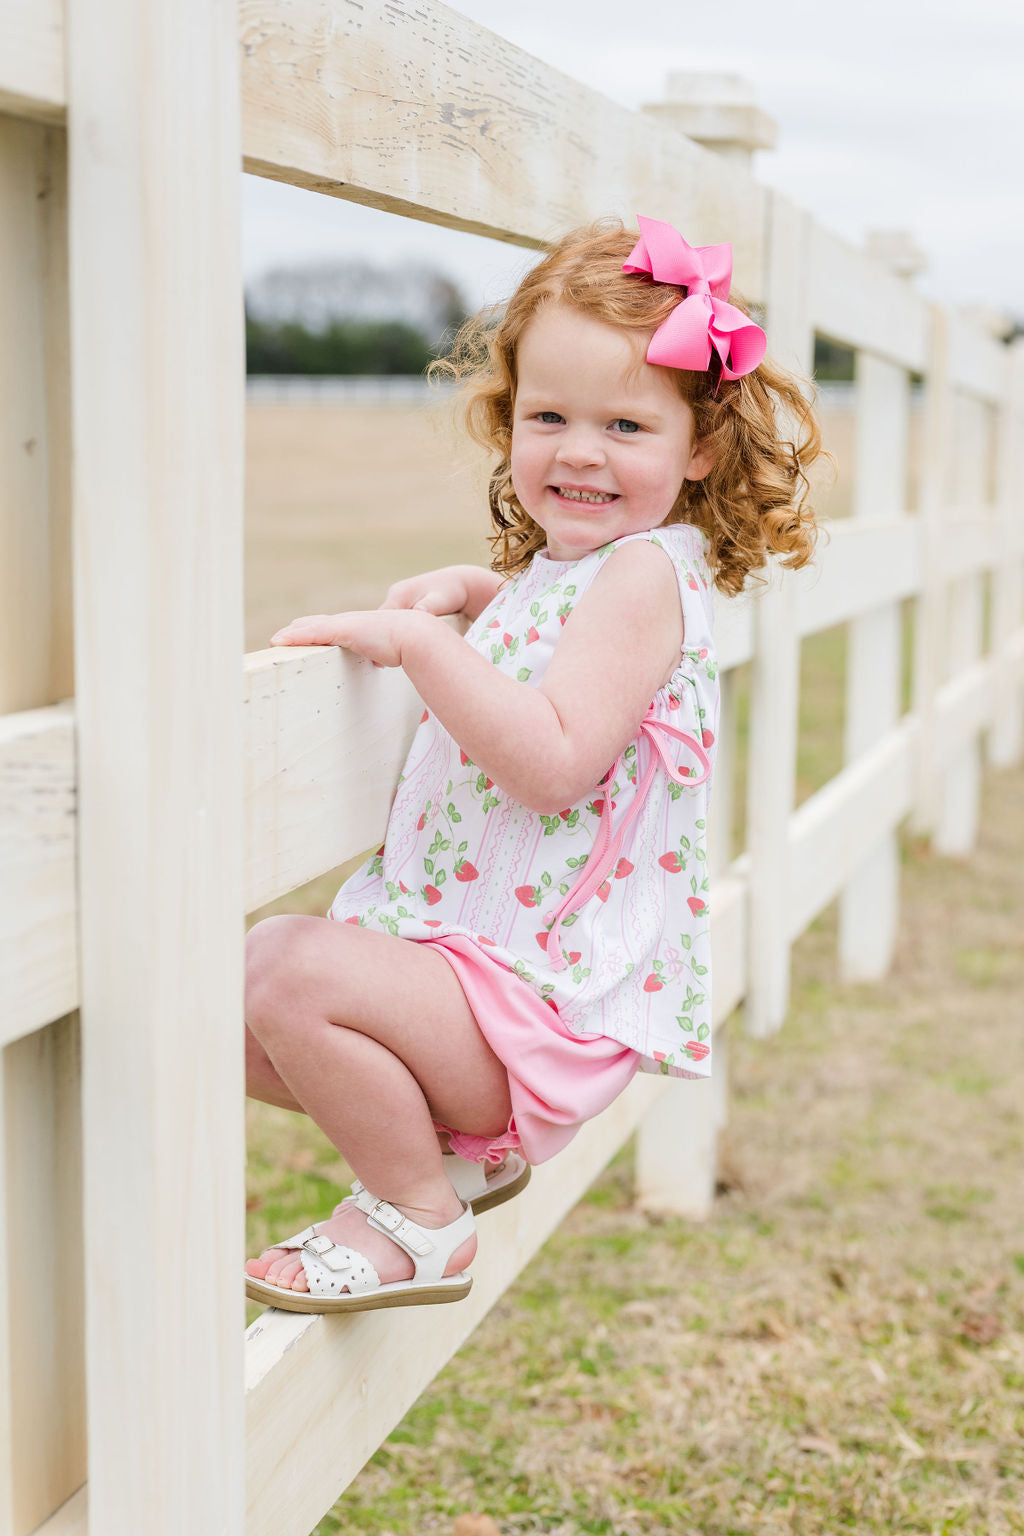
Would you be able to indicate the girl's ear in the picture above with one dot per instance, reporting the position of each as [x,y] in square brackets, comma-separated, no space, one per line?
[700,461]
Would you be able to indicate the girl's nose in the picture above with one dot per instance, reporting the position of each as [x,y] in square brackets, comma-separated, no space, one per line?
[580,448]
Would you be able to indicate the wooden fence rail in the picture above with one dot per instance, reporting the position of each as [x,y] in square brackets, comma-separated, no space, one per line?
[147,799]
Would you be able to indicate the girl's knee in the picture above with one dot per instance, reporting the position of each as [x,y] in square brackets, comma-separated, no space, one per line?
[271,953]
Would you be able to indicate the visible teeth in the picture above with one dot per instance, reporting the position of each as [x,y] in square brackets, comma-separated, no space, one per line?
[584,495]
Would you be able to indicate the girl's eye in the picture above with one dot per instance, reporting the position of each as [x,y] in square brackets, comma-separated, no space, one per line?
[625,425]
[548,416]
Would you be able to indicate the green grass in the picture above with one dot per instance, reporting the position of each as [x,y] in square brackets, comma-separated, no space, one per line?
[840,1347]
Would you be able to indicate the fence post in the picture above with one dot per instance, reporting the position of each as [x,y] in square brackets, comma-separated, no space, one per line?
[157,356]
[775,671]
[869,902]
[42,1357]
[930,606]
[956,829]
[1006,738]
[677,1139]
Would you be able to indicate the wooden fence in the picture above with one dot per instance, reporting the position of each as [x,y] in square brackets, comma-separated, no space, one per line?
[147,802]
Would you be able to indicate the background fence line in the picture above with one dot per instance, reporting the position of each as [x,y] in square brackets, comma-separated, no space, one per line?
[138,820]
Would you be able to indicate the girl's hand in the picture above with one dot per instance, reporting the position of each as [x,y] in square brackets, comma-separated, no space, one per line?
[376,634]
[439,592]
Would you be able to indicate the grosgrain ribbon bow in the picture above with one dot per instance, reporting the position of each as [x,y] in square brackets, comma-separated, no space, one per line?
[704,320]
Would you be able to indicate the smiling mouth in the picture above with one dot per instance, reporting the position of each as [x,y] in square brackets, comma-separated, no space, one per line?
[595,498]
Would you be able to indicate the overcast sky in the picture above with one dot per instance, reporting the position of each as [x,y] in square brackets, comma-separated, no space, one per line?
[898,115]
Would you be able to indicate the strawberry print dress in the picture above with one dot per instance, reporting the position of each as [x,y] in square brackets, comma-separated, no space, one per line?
[602,909]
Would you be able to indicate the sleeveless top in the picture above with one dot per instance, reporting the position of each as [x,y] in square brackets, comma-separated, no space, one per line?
[603,907]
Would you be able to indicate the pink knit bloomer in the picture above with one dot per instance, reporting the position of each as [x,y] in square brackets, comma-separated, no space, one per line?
[557,1079]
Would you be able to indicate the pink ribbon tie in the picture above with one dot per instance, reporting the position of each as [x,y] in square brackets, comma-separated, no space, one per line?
[607,844]
[703,321]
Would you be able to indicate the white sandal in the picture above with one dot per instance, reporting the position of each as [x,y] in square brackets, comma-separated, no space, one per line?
[341,1279]
[471,1184]
[481,1193]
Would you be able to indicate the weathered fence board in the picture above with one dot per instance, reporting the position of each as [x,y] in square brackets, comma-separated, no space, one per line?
[395,107]
[157,366]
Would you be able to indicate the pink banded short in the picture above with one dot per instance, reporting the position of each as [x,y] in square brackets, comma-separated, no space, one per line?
[557,1080]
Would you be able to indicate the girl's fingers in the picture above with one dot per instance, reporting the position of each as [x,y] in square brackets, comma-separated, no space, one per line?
[310,629]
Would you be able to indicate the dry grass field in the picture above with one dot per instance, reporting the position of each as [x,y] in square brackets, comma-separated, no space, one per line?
[343,499]
[840,1347]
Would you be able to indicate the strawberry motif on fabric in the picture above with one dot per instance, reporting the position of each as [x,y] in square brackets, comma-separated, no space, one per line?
[603,907]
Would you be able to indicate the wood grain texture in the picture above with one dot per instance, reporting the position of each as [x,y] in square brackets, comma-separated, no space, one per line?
[413,108]
[869,900]
[157,419]
[35,611]
[326,736]
[324,1392]
[829,832]
[1006,739]
[856,299]
[775,670]
[71,1519]
[324,739]
[41,1160]
[32,59]
[38,901]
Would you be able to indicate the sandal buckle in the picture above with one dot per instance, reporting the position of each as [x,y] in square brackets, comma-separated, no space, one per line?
[387,1216]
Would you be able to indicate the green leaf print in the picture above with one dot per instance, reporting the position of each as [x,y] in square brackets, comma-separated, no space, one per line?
[428,865]
[684,1023]
[703,1032]
[524,674]
[684,939]
[701,970]
[440,877]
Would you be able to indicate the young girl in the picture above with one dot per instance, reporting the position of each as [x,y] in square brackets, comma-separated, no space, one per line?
[535,928]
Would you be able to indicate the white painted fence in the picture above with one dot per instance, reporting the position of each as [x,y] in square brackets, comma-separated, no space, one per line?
[139,821]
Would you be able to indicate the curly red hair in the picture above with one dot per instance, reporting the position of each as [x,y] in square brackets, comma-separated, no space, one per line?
[761,428]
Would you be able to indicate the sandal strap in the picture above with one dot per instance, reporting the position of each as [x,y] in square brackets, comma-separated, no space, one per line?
[331,1269]
[430,1248]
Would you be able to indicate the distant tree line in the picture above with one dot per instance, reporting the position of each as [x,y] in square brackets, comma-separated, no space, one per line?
[342,347]
[353,346]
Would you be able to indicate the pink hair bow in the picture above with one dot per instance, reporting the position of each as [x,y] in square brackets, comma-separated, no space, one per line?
[703,320]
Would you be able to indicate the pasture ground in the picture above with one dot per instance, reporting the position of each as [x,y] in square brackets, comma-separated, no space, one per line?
[840,1347]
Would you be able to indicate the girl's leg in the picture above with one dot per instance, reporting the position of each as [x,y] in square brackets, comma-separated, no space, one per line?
[263,1082]
[373,1037]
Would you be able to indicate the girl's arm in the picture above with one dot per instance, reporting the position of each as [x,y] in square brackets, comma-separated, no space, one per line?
[545,746]
[452,589]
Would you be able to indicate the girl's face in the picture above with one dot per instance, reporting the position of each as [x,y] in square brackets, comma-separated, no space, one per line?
[599,448]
